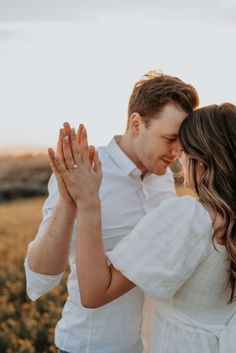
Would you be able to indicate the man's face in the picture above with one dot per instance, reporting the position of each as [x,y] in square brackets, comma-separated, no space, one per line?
[157,145]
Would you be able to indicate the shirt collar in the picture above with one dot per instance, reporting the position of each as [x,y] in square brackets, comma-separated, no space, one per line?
[121,159]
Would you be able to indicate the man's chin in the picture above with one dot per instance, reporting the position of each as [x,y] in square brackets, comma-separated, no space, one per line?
[160,171]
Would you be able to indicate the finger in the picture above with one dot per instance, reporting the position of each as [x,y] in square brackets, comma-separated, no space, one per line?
[58,177]
[67,128]
[67,153]
[62,134]
[97,164]
[91,151]
[84,145]
[52,162]
[75,147]
[60,166]
[72,135]
[79,133]
[51,155]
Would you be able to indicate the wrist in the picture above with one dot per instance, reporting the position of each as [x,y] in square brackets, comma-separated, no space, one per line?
[89,214]
[69,207]
[93,204]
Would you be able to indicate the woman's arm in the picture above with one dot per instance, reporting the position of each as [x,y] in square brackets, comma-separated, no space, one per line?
[99,283]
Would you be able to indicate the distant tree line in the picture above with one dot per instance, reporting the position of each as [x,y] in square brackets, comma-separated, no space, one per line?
[25,176]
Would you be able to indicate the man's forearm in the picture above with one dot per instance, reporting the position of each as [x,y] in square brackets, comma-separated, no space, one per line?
[48,253]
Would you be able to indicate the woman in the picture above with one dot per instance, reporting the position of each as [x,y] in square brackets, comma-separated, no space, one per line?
[183,253]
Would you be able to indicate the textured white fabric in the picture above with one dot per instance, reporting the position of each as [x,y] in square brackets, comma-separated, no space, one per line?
[115,327]
[170,256]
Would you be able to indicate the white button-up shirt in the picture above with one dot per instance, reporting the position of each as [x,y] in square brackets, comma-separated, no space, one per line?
[125,199]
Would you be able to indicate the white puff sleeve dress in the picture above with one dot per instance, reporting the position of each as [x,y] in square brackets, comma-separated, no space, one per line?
[170,256]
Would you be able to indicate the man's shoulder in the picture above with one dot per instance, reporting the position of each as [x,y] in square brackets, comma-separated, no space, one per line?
[103,154]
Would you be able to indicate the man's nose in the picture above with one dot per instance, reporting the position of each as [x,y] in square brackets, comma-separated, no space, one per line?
[176,148]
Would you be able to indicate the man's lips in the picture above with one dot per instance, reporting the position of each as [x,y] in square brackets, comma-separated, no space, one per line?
[167,161]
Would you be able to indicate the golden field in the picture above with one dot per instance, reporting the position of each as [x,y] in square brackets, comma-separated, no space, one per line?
[25,326]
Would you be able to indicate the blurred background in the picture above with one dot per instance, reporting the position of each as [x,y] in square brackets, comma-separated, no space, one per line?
[77,61]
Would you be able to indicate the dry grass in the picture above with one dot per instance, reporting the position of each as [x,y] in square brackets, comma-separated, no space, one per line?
[25,327]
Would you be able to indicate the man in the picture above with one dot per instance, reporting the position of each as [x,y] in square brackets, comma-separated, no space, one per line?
[136,179]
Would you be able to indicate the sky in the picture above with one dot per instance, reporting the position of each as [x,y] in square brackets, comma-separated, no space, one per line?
[77,61]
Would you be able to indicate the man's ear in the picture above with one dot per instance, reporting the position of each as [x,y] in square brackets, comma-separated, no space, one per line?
[135,123]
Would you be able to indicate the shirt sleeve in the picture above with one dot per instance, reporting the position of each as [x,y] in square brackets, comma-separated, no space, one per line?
[165,247]
[36,283]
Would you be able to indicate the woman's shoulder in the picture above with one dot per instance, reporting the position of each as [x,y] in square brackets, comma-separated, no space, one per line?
[178,204]
[184,209]
[182,201]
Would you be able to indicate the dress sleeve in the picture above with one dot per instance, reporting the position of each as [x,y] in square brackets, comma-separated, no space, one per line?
[165,247]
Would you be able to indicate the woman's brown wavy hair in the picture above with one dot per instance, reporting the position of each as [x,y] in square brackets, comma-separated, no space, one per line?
[208,135]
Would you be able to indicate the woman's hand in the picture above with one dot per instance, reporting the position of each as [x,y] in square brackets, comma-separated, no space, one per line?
[78,167]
